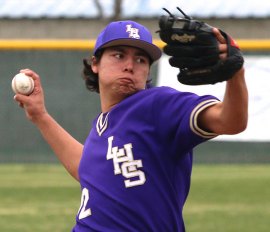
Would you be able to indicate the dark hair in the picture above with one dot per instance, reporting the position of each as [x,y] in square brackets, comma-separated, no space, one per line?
[91,79]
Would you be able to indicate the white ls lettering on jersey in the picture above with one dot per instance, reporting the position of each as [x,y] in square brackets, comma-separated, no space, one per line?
[124,163]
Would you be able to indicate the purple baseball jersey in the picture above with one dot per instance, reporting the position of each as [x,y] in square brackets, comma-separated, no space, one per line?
[137,161]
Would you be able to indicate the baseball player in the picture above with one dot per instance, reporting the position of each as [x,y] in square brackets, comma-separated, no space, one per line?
[135,165]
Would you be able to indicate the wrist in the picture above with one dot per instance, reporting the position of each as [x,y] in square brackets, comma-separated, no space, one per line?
[239,75]
[40,118]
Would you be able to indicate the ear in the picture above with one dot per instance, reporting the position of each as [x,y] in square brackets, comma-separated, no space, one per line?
[94,65]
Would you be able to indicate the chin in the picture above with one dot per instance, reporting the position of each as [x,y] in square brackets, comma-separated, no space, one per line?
[128,90]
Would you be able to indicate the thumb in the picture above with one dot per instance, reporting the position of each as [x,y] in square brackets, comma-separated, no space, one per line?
[21,99]
[219,36]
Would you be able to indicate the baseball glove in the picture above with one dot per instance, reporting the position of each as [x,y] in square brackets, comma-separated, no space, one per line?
[193,48]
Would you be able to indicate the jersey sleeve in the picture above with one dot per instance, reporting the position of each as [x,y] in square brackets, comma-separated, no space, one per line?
[176,118]
[193,121]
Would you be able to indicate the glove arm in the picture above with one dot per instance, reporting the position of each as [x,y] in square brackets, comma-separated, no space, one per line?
[231,115]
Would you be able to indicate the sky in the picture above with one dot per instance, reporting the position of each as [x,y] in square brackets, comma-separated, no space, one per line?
[131,8]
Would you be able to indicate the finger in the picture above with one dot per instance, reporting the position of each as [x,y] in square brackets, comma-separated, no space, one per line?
[222,48]
[21,99]
[30,73]
[223,56]
[35,77]
[20,104]
[219,36]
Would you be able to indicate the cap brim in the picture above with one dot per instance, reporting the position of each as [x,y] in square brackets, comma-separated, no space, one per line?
[152,50]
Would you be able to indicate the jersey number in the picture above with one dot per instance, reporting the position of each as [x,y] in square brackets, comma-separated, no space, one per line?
[83,212]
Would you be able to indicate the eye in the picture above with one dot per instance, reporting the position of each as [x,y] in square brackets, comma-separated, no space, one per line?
[141,60]
[118,55]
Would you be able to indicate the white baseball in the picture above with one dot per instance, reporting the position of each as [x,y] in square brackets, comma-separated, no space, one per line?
[22,84]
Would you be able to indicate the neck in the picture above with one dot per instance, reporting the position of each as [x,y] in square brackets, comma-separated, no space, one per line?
[108,103]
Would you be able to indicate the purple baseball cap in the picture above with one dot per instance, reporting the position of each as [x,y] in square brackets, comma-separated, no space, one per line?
[127,33]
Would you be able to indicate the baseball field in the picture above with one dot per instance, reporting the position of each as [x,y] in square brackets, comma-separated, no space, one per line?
[223,198]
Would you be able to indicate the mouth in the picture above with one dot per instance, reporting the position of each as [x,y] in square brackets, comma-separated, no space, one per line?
[126,80]
[126,86]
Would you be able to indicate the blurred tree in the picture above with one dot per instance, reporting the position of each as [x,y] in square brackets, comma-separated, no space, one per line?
[99,8]
[117,9]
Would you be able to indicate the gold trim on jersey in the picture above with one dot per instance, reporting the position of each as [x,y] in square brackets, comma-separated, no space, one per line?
[193,122]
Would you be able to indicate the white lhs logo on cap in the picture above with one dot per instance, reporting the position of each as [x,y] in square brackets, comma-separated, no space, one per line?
[133,32]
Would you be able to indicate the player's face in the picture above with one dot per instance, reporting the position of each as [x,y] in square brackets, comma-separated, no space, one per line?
[122,70]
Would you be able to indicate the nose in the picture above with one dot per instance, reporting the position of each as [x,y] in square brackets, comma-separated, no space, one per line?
[129,65]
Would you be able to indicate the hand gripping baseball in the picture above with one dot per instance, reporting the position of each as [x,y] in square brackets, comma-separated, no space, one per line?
[194,49]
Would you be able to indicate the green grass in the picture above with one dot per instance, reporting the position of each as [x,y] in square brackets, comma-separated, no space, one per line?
[223,198]
[37,198]
[229,198]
